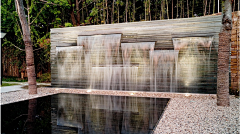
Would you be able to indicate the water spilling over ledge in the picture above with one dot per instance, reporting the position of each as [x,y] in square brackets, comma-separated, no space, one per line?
[103,62]
[158,56]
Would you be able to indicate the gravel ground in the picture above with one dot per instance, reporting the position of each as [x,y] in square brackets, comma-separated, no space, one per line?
[185,113]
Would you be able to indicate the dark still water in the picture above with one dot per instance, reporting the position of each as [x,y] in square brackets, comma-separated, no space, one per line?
[83,114]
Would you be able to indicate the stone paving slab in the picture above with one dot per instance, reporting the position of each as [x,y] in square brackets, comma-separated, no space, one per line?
[185,113]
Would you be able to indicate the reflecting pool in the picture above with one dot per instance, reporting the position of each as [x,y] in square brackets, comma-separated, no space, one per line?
[83,114]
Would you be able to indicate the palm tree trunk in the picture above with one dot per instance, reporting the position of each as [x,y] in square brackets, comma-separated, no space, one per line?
[32,87]
[223,55]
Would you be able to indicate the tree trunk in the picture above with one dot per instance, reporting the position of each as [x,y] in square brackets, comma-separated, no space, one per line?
[78,13]
[104,18]
[32,87]
[177,10]
[205,7]
[82,12]
[183,8]
[167,9]
[149,11]
[134,8]
[187,9]
[209,5]
[214,6]
[126,9]
[172,9]
[156,10]
[193,9]
[145,10]
[118,13]
[223,55]
[112,18]
[233,5]
[107,11]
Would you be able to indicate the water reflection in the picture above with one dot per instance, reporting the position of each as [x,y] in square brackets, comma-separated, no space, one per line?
[106,114]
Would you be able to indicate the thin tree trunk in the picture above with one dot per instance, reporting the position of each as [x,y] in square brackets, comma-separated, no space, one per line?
[107,11]
[104,17]
[167,9]
[156,10]
[72,14]
[205,7]
[193,8]
[118,13]
[187,9]
[126,9]
[223,55]
[112,18]
[134,3]
[233,5]
[172,9]
[181,14]
[78,13]
[145,10]
[183,8]
[32,87]
[82,12]
[214,6]
[163,9]
[149,13]
[209,5]
[177,10]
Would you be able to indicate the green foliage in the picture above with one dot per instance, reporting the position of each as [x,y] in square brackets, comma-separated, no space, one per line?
[68,24]
[45,77]
[94,12]
[8,84]
[13,79]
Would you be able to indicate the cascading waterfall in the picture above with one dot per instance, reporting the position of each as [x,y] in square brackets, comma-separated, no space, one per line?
[69,63]
[101,52]
[164,70]
[136,64]
[103,62]
[194,59]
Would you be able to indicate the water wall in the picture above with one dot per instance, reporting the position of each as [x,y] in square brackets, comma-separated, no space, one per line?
[158,56]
